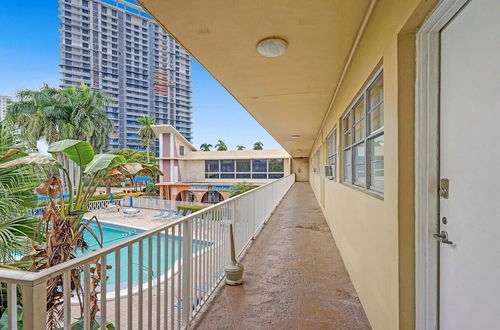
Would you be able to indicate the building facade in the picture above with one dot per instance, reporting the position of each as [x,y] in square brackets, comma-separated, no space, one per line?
[209,176]
[4,102]
[116,47]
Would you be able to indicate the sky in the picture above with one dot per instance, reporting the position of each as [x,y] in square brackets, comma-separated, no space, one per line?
[29,57]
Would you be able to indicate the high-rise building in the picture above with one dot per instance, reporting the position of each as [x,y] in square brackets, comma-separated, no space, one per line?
[116,47]
[4,101]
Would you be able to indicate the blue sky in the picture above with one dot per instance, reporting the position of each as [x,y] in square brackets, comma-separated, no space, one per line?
[29,56]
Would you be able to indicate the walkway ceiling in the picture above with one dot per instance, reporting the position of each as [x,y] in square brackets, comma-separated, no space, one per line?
[288,95]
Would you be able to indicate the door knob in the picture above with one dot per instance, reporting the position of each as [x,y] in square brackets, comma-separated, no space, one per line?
[442,237]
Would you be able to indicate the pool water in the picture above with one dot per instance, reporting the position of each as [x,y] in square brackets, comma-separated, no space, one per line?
[113,234]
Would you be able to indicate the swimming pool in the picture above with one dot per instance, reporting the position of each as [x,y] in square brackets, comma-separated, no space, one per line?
[114,233]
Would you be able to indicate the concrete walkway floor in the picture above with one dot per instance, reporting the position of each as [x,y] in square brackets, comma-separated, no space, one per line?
[294,276]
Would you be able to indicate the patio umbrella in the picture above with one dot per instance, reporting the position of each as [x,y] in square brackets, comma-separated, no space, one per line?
[131,201]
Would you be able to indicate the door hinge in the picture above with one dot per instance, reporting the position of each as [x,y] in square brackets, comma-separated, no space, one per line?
[444,188]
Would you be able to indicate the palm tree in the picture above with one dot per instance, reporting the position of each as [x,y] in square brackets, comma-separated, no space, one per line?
[221,145]
[67,113]
[240,147]
[146,133]
[17,229]
[258,145]
[206,146]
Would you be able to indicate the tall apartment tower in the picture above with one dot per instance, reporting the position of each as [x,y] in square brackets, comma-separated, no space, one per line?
[4,102]
[116,47]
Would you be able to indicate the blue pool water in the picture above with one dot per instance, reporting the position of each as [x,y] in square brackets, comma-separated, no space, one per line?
[113,234]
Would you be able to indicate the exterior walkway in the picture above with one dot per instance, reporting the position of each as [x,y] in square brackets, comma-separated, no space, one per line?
[294,276]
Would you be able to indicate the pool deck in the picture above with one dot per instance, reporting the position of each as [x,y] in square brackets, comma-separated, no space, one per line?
[144,220]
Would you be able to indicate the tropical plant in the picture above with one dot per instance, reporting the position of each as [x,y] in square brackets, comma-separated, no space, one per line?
[258,145]
[67,113]
[63,218]
[240,147]
[146,133]
[240,188]
[206,146]
[221,145]
[17,228]
[187,207]
[135,156]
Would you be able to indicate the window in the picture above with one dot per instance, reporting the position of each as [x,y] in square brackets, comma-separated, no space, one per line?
[259,165]
[243,165]
[331,145]
[317,162]
[227,165]
[211,166]
[276,165]
[181,150]
[363,132]
[244,169]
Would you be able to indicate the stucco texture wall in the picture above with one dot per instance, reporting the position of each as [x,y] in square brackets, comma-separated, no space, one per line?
[375,234]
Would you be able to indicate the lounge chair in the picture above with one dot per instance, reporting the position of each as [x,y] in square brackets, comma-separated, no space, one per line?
[168,215]
[179,215]
[162,213]
[188,213]
[131,212]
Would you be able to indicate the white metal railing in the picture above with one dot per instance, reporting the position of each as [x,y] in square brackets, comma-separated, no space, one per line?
[168,273]
[156,203]
[93,205]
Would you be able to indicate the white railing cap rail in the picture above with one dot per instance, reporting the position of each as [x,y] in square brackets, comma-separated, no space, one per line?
[25,277]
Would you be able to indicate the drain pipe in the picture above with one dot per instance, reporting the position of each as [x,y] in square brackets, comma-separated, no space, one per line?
[234,270]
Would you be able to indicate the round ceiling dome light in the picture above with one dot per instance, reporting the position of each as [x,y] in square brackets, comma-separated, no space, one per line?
[272,47]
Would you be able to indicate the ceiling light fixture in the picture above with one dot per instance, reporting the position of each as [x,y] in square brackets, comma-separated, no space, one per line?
[295,136]
[272,47]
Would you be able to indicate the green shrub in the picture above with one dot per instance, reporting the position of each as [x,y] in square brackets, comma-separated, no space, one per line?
[240,188]
[194,208]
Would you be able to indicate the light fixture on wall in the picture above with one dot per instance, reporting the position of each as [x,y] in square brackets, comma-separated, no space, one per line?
[272,47]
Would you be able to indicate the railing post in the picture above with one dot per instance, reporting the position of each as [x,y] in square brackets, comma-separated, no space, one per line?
[187,261]
[35,306]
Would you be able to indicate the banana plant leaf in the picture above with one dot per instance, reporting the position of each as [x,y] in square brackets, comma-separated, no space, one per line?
[80,152]
[104,161]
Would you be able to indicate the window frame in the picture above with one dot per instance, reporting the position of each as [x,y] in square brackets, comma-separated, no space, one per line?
[368,138]
[332,152]
[250,174]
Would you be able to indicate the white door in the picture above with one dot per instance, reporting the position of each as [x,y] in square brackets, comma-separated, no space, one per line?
[469,284]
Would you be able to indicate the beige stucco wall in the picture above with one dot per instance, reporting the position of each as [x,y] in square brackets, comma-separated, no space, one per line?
[193,170]
[375,234]
[300,166]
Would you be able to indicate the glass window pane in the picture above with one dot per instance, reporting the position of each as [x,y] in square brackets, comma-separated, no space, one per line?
[347,139]
[259,175]
[359,164]
[243,165]
[376,118]
[376,93]
[243,176]
[227,175]
[359,131]
[259,165]
[211,166]
[276,165]
[377,162]
[227,165]
[347,166]
[211,176]
[275,175]
[347,122]
[359,110]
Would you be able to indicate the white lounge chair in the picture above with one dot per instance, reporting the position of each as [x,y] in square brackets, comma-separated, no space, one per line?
[131,212]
